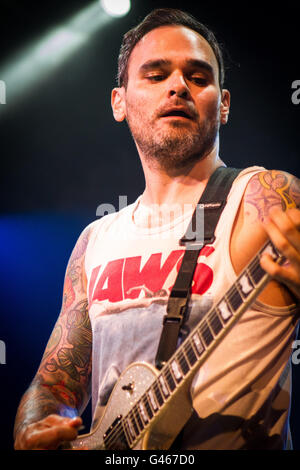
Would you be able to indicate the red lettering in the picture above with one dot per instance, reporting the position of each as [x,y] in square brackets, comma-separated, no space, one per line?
[203,279]
[109,286]
[92,281]
[203,276]
[206,251]
[124,278]
[152,276]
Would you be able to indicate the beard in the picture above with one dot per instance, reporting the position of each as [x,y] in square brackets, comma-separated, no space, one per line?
[174,145]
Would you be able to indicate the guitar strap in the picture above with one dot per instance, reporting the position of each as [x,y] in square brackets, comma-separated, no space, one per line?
[198,234]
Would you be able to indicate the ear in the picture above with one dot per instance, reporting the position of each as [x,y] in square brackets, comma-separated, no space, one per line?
[118,104]
[225,106]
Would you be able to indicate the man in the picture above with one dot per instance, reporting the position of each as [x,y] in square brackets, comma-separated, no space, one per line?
[120,273]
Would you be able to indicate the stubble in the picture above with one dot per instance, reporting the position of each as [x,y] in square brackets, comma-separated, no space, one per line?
[174,145]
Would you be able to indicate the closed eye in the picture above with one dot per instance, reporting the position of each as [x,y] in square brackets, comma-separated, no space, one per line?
[199,80]
[155,78]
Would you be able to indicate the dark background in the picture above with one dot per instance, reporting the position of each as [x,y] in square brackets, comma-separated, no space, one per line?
[62,154]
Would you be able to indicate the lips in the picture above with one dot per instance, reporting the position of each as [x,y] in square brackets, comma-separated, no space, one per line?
[177,112]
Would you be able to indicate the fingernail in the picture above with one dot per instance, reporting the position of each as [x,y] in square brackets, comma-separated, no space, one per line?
[76,419]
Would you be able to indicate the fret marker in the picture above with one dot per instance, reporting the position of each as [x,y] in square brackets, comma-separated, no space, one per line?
[245,285]
[176,370]
[198,343]
[131,429]
[152,400]
[270,251]
[143,413]
[163,386]
[225,311]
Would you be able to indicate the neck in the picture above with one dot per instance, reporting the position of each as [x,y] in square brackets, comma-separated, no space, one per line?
[183,186]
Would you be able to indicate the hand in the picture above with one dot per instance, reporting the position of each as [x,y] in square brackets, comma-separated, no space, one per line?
[283,228]
[47,433]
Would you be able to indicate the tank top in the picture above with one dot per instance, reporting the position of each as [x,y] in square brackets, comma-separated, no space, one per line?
[241,394]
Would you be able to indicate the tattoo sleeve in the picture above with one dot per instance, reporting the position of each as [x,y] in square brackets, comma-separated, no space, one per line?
[62,382]
[271,188]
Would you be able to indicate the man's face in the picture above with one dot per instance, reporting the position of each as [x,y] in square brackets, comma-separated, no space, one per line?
[173,101]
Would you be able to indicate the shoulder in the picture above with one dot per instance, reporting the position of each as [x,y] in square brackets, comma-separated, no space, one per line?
[83,240]
[270,188]
[266,189]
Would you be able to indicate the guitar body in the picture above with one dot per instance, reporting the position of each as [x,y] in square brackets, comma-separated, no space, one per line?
[130,387]
[148,408]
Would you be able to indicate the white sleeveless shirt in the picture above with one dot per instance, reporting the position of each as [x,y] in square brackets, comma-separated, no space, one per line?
[241,395]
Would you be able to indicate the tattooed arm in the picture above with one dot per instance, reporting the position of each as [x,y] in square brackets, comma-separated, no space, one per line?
[61,388]
[270,209]
[283,227]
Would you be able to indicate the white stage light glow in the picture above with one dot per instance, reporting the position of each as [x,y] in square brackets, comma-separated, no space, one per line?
[45,54]
[116,7]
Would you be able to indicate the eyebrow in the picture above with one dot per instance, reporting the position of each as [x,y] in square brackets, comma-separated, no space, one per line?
[196,63]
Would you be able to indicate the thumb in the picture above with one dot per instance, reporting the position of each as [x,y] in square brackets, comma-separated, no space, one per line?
[75,422]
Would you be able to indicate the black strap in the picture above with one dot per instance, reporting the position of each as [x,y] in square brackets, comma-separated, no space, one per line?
[198,234]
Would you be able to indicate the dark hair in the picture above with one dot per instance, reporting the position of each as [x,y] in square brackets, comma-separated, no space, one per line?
[163,17]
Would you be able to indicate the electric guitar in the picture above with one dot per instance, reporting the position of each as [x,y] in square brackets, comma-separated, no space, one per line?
[148,407]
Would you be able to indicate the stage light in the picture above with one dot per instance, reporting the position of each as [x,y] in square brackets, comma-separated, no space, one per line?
[45,54]
[116,7]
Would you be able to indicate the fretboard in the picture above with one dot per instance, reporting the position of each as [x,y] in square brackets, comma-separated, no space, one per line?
[192,352]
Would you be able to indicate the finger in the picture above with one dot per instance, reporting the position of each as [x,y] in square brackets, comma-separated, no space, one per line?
[294,215]
[50,437]
[290,250]
[288,223]
[75,422]
[285,275]
[54,419]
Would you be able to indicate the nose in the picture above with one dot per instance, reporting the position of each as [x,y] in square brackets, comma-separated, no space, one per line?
[178,86]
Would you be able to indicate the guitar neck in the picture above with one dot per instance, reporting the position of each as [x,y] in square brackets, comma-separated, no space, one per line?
[193,351]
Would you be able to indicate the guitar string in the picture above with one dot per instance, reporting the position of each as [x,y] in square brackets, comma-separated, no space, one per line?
[187,349]
[167,374]
[137,422]
[135,416]
[179,356]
